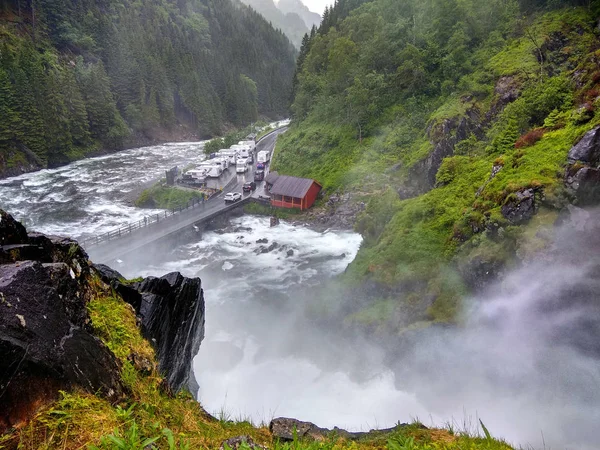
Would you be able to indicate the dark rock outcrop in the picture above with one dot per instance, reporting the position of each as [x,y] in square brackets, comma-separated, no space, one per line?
[582,176]
[172,315]
[241,442]
[587,150]
[115,280]
[284,428]
[520,207]
[46,342]
[444,136]
[339,213]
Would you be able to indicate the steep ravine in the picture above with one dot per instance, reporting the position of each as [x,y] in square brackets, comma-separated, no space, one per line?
[76,370]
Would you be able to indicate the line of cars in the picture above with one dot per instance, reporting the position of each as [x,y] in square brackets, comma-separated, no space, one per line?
[238,155]
[262,158]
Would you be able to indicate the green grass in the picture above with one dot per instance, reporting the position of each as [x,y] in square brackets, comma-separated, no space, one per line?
[265,210]
[166,197]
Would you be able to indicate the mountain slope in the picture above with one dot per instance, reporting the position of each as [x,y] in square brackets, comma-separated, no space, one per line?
[289,20]
[80,76]
[453,121]
[296,6]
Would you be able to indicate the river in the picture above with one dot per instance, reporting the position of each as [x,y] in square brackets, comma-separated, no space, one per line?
[263,356]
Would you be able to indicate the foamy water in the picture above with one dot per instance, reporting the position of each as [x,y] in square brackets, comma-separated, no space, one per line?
[260,359]
[89,197]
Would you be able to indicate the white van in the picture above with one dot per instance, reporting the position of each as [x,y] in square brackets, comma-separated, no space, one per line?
[263,156]
[241,166]
[251,144]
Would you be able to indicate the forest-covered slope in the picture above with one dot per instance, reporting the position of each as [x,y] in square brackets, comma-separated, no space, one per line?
[78,76]
[452,121]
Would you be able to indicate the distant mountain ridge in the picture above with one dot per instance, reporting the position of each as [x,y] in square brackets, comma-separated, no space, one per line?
[297,7]
[292,17]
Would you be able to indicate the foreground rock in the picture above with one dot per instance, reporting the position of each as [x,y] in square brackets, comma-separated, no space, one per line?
[241,442]
[284,429]
[46,340]
[171,312]
[583,173]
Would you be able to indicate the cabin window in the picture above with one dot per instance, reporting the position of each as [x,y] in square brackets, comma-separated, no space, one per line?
[288,199]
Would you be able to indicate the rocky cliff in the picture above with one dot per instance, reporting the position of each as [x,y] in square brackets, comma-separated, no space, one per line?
[171,311]
[47,338]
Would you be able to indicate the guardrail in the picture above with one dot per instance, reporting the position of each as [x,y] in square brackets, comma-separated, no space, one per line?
[142,223]
[156,218]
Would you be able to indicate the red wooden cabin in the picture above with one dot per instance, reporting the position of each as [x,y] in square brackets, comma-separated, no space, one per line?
[293,192]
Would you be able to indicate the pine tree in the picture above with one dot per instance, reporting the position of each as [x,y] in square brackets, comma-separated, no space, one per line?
[78,120]
[56,118]
[9,117]
[30,129]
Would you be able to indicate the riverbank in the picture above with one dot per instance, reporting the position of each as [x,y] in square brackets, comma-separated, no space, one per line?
[26,162]
[337,212]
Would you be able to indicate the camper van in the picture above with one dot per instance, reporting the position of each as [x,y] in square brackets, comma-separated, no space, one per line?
[263,156]
[245,153]
[197,174]
[223,160]
[230,154]
[212,170]
[251,144]
[241,166]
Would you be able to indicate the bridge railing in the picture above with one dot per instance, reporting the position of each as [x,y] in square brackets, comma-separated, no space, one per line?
[142,223]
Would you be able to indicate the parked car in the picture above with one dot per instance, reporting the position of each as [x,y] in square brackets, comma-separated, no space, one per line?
[259,175]
[249,186]
[264,197]
[232,197]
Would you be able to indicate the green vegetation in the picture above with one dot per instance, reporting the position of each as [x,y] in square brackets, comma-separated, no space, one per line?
[167,197]
[226,141]
[438,116]
[76,77]
[265,210]
[150,417]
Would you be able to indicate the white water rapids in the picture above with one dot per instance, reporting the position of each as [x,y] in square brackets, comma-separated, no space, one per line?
[261,358]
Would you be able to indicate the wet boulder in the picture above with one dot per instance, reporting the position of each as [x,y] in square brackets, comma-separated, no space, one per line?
[520,207]
[241,442]
[45,341]
[587,150]
[284,428]
[582,177]
[11,231]
[172,316]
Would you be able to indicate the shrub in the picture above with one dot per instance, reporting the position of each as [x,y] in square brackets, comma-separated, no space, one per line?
[529,138]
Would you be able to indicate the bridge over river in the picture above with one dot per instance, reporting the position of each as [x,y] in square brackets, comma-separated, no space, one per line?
[132,237]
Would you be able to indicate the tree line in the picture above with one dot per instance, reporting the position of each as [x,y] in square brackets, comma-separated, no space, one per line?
[78,75]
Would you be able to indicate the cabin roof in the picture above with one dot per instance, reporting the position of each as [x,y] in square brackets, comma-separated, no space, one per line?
[292,186]
[271,177]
